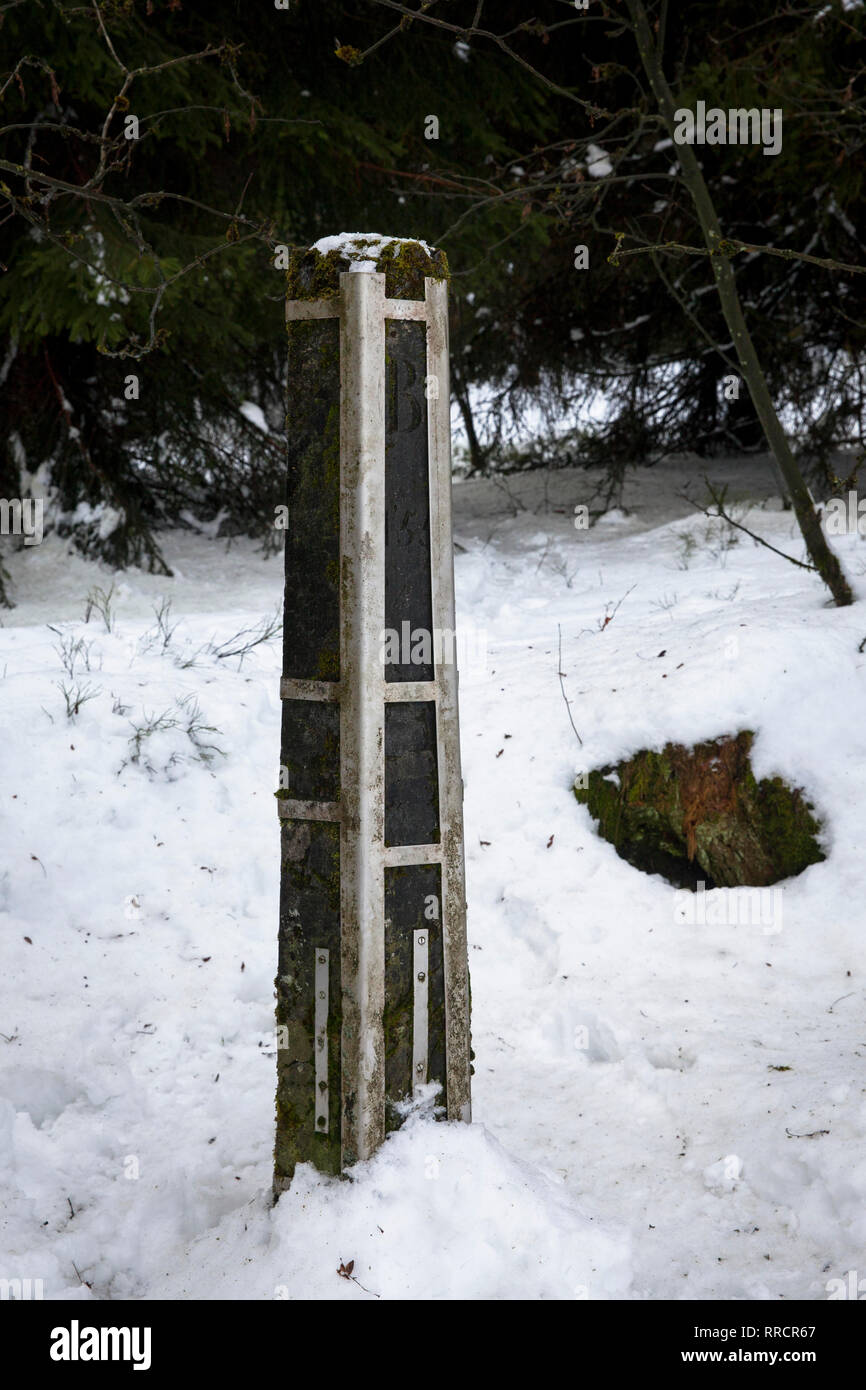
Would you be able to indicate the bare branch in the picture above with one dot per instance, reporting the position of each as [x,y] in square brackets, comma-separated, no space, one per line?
[721,514]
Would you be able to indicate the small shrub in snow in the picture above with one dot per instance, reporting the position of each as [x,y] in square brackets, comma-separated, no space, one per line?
[71,650]
[161,635]
[99,601]
[76,696]
[156,747]
[243,642]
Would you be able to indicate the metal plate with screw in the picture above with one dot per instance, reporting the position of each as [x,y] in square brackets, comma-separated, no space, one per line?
[321,1040]
[419,1020]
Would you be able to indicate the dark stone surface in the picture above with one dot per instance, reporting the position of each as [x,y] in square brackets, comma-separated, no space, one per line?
[309,918]
[311,634]
[411,774]
[310,749]
[407,891]
[408,591]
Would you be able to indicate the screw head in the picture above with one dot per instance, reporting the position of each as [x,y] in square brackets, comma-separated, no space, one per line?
[420,1068]
[421,975]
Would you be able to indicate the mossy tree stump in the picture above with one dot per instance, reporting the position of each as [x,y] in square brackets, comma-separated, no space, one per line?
[700,815]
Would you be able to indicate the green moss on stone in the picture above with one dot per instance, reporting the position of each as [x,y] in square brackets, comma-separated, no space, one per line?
[312,275]
[406,264]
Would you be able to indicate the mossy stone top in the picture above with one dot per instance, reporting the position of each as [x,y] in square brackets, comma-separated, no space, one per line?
[314,272]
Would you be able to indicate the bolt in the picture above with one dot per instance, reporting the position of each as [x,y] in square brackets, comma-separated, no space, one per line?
[321,994]
[421,975]
[421,940]
[420,1068]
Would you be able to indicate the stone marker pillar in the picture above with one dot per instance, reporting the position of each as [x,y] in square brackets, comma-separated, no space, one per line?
[372,984]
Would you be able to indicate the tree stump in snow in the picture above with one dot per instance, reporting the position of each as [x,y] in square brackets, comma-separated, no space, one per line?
[700,815]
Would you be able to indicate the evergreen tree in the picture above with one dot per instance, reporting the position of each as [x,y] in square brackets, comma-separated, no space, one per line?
[153,257]
[140,308]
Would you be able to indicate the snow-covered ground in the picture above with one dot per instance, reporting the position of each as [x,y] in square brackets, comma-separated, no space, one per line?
[662,1110]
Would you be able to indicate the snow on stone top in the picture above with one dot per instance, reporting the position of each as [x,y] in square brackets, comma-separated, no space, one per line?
[363,249]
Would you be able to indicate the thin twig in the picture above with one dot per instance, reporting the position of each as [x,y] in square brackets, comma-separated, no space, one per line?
[562,687]
[732,246]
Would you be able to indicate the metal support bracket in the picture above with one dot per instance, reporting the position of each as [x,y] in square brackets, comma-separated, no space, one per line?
[322,988]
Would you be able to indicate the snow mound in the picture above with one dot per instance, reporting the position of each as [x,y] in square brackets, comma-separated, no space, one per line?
[724,1175]
[442,1211]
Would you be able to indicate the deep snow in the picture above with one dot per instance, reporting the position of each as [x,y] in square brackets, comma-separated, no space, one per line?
[642,1085]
